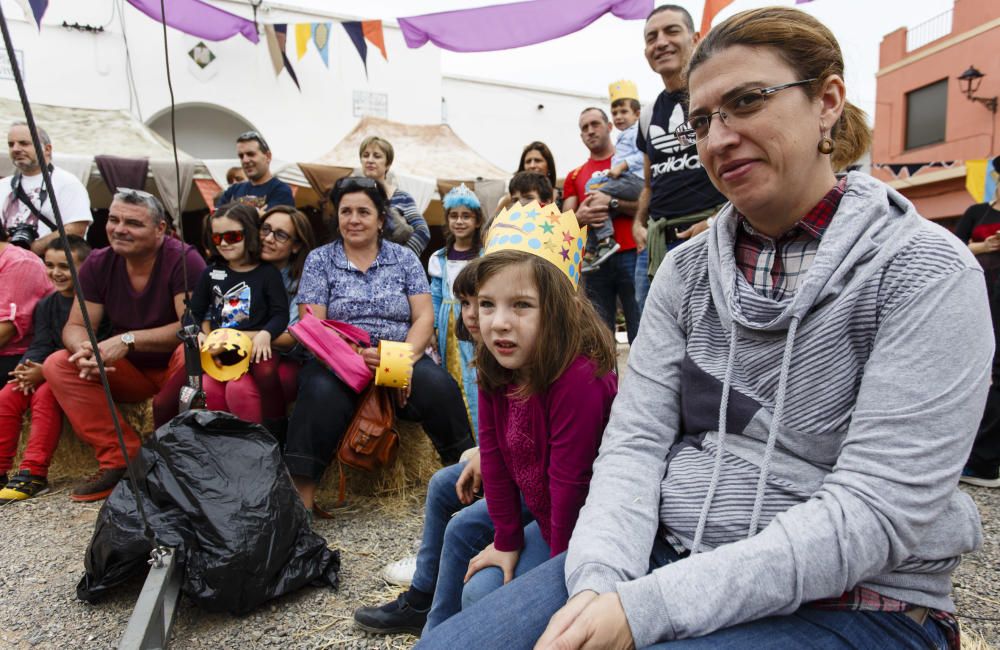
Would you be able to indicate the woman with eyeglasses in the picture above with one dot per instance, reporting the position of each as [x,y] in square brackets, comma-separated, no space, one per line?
[286,238]
[240,291]
[376,156]
[376,285]
[781,465]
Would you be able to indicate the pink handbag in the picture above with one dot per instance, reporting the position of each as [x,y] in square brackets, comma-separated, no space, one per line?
[331,341]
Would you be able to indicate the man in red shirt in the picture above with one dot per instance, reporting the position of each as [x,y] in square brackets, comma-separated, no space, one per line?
[614,280]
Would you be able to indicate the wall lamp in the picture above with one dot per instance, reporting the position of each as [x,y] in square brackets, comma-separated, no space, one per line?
[969,82]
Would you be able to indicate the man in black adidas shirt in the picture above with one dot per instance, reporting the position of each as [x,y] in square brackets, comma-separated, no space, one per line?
[678,197]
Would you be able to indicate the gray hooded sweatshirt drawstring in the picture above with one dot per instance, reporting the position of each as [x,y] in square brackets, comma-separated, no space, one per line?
[794,481]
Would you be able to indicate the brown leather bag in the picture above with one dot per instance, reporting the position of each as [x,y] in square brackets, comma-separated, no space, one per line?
[371,441]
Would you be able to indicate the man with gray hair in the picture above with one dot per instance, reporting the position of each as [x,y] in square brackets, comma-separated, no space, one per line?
[25,206]
[138,285]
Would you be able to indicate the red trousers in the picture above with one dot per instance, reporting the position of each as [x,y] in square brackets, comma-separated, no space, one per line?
[43,437]
[86,408]
[257,395]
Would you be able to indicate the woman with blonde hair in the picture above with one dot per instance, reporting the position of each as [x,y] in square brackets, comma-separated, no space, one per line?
[377,156]
[778,471]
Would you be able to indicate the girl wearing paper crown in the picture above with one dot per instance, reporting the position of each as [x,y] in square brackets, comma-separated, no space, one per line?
[463,220]
[546,382]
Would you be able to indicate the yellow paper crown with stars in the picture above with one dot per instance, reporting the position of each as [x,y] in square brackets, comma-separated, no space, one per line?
[623,89]
[543,231]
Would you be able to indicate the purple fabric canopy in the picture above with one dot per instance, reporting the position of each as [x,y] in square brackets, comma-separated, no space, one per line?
[199,19]
[502,27]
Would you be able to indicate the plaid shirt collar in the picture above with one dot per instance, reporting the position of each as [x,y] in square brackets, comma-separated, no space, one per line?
[814,224]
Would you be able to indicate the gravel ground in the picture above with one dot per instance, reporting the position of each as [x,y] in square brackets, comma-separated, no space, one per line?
[44,541]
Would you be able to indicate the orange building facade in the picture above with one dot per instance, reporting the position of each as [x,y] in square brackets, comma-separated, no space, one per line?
[922,114]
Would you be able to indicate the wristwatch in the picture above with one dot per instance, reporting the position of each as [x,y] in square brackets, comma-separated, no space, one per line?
[613,205]
[128,338]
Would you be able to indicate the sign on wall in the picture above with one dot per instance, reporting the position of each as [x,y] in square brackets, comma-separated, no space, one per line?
[6,72]
[374,104]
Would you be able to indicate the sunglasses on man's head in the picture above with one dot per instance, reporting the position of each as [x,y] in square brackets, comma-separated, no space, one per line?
[129,192]
[351,183]
[253,135]
[230,237]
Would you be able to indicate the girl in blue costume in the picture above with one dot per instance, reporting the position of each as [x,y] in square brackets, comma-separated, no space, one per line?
[463,221]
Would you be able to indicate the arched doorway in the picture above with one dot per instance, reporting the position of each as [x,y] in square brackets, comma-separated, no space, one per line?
[205,131]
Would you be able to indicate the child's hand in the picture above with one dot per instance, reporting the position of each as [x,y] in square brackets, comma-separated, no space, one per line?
[470,481]
[489,556]
[15,373]
[30,374]
[261,346]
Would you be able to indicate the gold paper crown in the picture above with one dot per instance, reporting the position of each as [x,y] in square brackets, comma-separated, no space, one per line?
[623,89]
[541,231]
[395,366]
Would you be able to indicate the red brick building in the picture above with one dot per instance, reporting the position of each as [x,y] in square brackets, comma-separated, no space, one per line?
[922,114]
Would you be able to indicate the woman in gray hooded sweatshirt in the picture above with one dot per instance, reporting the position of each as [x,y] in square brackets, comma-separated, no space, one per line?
[781,464]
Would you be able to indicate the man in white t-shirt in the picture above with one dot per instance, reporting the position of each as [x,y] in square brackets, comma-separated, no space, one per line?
[74,202]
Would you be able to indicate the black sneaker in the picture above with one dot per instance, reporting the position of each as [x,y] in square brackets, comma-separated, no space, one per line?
[397,617]
[23,486]
[972,477]
[605,249]
[98,486]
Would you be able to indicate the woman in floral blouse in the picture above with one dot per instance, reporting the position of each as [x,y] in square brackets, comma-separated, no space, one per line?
[380,287]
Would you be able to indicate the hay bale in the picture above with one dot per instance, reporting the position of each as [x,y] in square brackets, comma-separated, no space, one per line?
[416,463]
[74,458]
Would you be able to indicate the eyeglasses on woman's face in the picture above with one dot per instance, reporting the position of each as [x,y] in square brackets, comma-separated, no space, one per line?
[230,237]
[279,235]
[733,112]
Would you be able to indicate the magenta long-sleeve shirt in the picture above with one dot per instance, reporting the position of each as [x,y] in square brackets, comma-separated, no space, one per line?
[544,448]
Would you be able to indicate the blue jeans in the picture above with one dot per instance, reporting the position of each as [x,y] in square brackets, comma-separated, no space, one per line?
[488,580]
[614,281]
[641,279]
[466,534]
[516,615]
[439,507]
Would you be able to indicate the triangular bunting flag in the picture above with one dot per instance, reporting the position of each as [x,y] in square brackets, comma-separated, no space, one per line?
[980,179]
[356,32]
[34,9]
[281,32]
[274,49]
[302,33]
[291,71]
[276,36]
[712,7]
[372,30]
[321,39]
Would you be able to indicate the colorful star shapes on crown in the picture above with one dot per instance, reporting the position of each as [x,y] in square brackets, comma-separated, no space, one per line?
[543,231]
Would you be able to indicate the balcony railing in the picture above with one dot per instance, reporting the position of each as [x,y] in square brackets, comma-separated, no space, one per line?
[930,30]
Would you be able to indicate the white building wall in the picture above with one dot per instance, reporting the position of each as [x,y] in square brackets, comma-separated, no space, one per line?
[498,119]
[72,68]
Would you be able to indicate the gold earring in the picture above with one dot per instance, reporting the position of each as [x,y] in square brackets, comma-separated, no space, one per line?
[825,145]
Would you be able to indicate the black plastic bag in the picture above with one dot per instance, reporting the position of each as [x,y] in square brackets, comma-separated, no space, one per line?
[216,489]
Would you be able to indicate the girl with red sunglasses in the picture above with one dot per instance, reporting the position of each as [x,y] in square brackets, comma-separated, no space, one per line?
[237,290]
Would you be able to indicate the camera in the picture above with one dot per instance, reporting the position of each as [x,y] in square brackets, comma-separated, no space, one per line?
[22,235]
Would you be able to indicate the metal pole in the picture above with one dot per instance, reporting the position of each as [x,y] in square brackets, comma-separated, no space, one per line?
[153,616]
